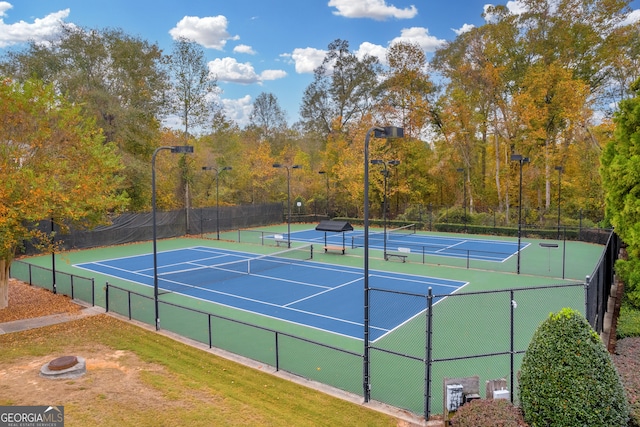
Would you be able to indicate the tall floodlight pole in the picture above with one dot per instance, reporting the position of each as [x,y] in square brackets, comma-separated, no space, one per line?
[560,169]
[218,172]
[518,158]
[385,173]
[326,174]
[288,168]
[464,196]
[184,149]
[378,132]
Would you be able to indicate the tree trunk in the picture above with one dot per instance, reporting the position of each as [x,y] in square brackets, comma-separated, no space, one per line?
[4,283]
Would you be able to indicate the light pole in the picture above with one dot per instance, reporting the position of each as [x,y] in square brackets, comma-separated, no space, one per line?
[378,132]
[518,158]
[560,169]
[218,172]
[464,196]
[174,149]
[288,168]
[385,173]
[326,174]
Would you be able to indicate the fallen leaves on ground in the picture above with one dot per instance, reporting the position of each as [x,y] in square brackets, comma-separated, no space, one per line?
[27,302]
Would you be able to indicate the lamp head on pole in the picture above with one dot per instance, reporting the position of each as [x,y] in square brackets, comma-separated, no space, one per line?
[519,158]
[213,168]
[182,149]
[389,132]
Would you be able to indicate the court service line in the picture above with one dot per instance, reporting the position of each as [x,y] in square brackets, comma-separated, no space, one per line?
[323,292]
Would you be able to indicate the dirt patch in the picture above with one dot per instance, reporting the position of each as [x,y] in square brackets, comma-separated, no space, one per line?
[112,375]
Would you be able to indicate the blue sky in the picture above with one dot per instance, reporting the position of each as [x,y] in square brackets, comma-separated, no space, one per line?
[255,46]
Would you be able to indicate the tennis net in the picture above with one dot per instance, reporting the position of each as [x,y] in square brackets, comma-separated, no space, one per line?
[358,241]
[201,274]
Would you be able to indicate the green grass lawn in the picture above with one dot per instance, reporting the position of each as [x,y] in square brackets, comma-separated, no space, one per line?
[190,386]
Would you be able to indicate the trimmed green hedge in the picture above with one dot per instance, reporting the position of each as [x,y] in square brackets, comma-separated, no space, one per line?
[568,377]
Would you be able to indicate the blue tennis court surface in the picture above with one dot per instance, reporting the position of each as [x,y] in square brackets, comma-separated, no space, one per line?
[454,247]
[322,296]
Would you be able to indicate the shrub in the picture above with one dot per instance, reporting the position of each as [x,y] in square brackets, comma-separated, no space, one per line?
[491,412]
[567,377]
[629,272]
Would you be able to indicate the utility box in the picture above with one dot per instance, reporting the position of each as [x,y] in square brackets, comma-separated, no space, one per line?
[501,394]
[454,397]
[471,396]
[454,390]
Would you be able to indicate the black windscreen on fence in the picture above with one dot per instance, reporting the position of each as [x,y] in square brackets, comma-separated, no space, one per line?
[138,227]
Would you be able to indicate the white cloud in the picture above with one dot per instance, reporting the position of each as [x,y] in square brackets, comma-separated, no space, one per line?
[272,75]
[4,6]
[464,29]
[238,110]
[210,32]
[518,8]
[632,18]
[374,9]
[231,71]
[420,35]
[243,48]
[306,59]
[371,49]
[41,30]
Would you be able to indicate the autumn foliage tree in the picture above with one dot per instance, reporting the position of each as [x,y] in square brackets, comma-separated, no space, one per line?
[54,165]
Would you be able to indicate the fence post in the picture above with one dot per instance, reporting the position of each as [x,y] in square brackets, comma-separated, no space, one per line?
[106,297]
[513,305]
[427,367]
[277,351]
[564,250]
[586,302]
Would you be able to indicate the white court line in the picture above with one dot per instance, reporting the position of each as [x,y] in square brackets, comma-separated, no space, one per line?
[323,292]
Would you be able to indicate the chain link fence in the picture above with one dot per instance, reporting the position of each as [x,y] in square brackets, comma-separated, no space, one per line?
[466,334]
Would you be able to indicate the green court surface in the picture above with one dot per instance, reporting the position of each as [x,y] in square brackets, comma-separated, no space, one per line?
[471,329]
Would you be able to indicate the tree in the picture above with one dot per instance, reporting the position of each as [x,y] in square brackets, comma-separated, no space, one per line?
[405,91]
[621,181]
[55,165]
[192,84]
[341,90]
[117,79]
[267,116]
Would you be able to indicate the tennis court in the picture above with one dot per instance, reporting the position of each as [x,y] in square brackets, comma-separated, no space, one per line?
[286,285]
[406,240]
